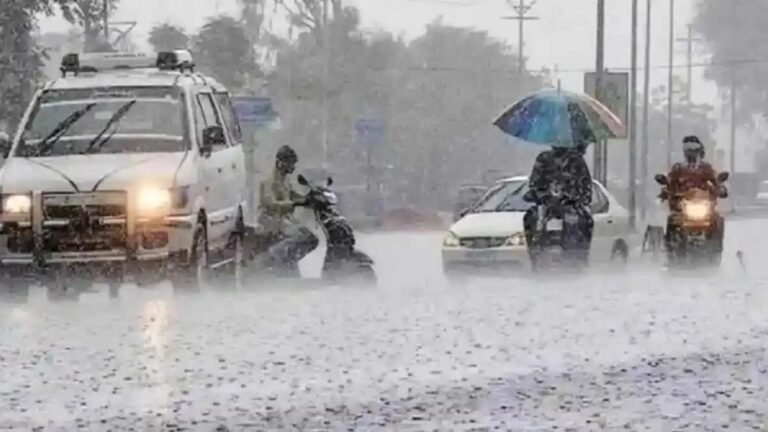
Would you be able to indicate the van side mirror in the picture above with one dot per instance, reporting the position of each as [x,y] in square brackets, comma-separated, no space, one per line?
[661,179]
[329,182]
[212,136]
[303,180]
[5,144]
[723,177]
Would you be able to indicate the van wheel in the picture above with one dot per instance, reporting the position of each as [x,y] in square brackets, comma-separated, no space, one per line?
[193,276]
[620,251]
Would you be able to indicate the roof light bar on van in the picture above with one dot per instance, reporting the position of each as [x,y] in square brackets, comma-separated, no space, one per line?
[175,60]
[95,62]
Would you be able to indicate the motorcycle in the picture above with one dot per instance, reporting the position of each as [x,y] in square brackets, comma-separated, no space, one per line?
[546,245]
[343,262]
[694,238]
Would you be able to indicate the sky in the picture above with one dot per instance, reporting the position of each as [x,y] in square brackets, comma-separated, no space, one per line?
[564,36]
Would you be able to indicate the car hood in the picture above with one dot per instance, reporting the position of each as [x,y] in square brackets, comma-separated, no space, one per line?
[501,224]
[89,172]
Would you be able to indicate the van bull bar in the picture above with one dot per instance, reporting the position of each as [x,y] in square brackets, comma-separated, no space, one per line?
[89,227]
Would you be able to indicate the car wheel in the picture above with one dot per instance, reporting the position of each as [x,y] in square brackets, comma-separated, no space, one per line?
[193,275]
[620,251]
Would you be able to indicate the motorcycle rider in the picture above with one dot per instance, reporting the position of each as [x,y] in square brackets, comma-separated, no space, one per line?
[290,241]
[565,169]
[695,172]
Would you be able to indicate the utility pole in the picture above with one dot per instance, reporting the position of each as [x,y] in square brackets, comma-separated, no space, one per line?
[633,123]
[689,40]
[105,12]
[326,74]
[522,9]
[670,83]
[600,69]
[733,120]
[646,102]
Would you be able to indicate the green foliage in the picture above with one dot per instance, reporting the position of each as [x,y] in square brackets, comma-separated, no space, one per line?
[223,50]
[165,37]
[735,35]
[89,15]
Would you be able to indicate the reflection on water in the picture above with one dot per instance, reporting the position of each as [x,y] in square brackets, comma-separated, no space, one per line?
[153,358]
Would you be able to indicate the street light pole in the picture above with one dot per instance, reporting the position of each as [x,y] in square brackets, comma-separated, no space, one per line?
[646,101]
[326,74]
[599,69]
[670,81]
[633,123]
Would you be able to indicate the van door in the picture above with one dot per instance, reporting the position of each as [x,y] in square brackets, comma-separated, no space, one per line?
[238,189]
[214,172]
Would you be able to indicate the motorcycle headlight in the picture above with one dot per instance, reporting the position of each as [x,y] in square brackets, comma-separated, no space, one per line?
[153,201]
[696,210]
[17,203]
[451,241]
[517,239]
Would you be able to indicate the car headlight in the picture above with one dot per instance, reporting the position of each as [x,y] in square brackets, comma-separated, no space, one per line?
[17,204]
[696,210]
[517,239]
[451,241]
[153,201]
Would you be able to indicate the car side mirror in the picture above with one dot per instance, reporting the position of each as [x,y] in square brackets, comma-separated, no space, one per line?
[329,182]
[661,179]
[303,180]
[723,177]
[5,144]
[212,136]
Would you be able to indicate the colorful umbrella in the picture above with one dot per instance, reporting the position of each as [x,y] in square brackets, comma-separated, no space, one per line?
[561,119]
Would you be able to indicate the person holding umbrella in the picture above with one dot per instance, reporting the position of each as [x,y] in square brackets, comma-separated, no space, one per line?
[567,123]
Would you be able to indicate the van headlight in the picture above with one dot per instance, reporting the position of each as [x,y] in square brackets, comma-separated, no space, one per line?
[17,204]
[153,202]
[451,241]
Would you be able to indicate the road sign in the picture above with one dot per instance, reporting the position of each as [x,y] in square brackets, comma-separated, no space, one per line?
[370,131]
[254,110]
[615,94]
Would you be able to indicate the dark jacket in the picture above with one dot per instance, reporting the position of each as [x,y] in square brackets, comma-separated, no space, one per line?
[567,170]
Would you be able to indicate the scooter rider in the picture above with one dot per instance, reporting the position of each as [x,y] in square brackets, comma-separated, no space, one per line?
[290,241]
[566,169]
[695,172]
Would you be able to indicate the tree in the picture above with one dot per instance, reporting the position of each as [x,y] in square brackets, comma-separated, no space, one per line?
[735,35]
[89,15]
[223,50]
[165,37]
[308,15]
[21,60]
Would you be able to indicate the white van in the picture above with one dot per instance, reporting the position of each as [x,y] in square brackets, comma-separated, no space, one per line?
[128,164]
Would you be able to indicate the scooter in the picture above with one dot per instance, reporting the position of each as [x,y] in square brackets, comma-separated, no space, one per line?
[343,262]
[694,215]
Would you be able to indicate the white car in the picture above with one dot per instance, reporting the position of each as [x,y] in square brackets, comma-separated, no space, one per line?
[762,193]
[492,234]
[127,164]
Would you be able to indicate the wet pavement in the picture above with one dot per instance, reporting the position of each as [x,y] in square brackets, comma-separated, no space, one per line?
[626,350]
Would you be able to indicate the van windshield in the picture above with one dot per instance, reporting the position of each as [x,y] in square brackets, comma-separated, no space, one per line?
[105,120]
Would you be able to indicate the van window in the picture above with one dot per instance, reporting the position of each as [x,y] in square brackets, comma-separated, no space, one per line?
[229,117]
[205,113]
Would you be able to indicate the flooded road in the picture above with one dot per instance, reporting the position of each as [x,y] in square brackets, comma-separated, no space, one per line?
[625,350]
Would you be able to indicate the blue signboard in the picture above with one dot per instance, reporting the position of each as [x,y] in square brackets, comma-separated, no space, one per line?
[254,110]
[370,131]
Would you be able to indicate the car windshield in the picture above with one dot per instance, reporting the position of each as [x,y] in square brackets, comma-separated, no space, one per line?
[105,120]
[507,197]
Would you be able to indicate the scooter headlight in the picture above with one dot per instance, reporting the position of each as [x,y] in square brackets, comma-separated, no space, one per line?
[696,210]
